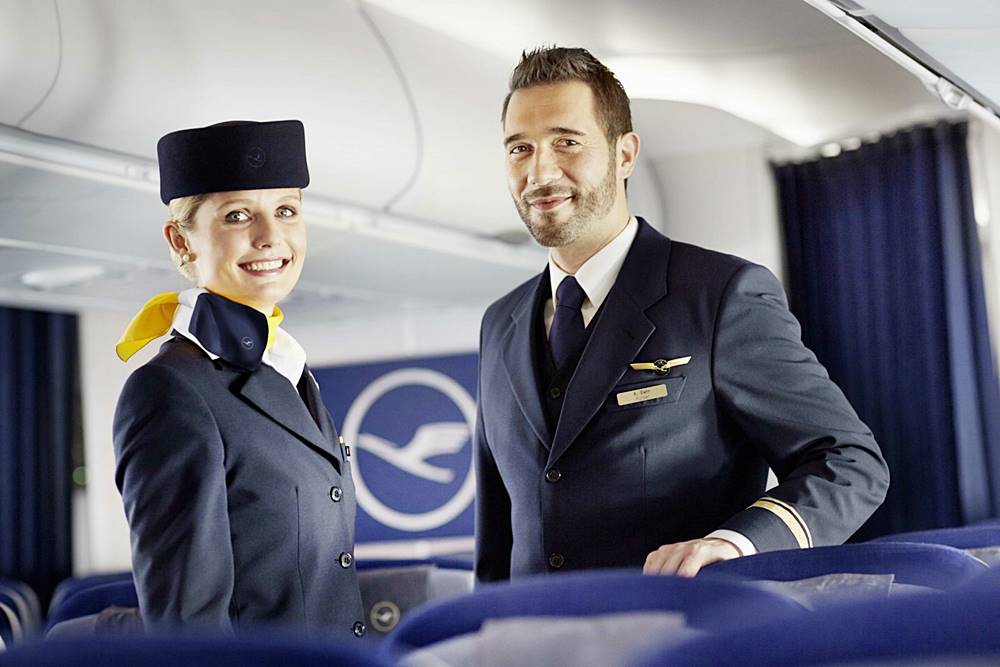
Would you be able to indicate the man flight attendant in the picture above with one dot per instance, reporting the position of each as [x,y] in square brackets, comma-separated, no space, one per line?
[633,395]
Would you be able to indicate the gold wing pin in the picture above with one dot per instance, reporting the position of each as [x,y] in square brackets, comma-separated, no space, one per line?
[661,366]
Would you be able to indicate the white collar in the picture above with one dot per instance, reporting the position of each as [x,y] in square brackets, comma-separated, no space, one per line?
[597,275]
[285,354]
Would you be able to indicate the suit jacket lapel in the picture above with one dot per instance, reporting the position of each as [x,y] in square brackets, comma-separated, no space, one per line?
[519,359]
[273,395]
[620,331]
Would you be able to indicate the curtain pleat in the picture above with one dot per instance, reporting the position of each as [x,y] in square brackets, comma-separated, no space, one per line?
[38,376]
[885,276]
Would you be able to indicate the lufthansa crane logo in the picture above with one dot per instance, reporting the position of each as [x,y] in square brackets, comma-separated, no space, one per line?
[429,440]
[256,157]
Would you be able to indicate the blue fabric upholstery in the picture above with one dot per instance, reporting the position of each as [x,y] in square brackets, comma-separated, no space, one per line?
[966,537]
[446,562]
[94,599]
[919,627]
[260,651]
[70,586]
[707,604]
[929,565]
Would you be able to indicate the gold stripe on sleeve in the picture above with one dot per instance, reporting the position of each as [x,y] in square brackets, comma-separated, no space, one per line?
[795,513]
[787,517]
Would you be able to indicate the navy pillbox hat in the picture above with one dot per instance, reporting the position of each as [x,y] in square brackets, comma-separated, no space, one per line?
[236,155]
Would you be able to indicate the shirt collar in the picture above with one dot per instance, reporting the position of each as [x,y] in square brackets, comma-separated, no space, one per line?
[597,275]
[284,354]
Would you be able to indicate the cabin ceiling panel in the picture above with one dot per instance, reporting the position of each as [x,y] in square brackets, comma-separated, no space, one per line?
[706,28]
[29,56]
[458,92]
[963,36]
[394,272]
[130,74]
[963,14]
[42,207]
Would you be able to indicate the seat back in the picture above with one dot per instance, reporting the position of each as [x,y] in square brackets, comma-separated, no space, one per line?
[262,650]
[390,594]
[31,608]
[928,565]
[705,605]
[73,584]
[929,628]
[981,541]
[94,599]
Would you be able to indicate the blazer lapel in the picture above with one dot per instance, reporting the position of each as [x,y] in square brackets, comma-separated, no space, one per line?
[313,398]
[273,395]
[620,331]
[519,360]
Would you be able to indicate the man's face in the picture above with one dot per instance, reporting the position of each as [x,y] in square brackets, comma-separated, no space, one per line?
[560,167]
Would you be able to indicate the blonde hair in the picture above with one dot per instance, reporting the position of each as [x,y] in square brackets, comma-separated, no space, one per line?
[182,211]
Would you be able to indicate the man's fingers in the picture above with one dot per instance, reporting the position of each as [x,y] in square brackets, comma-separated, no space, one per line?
[686,559]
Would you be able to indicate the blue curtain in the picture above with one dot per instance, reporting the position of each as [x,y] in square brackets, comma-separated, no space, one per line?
[885,275]
[38,416]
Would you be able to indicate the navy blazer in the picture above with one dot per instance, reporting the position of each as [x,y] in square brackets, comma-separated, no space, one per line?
[238,495]
[607,484]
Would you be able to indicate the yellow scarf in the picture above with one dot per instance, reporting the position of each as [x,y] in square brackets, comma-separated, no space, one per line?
[156,318]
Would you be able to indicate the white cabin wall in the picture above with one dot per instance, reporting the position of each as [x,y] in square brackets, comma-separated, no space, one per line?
[984,163]
[725,201]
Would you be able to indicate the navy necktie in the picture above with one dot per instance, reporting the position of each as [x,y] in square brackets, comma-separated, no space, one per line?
[566,337]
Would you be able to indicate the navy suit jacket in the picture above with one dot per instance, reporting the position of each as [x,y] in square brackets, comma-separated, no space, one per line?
[607,484]
[229,481]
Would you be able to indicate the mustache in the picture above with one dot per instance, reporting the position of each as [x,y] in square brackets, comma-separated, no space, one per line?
[546,192]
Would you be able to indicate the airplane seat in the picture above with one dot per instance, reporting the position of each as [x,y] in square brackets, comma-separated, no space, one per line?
[391,590]
[979,540]
[936,628]
[18,625]
[578,618]
[93,600]
[10,626]
[73,584]
[25,602]
[260,650]
[823,575]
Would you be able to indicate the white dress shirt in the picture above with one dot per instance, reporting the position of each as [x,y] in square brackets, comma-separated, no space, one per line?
[596,277]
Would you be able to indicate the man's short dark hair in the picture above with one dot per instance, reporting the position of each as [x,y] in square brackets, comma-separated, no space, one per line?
[556,64]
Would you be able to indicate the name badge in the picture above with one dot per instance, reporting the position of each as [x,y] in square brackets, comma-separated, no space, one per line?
[643,394]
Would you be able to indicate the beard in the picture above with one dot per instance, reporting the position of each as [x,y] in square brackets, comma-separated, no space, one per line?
[590,205]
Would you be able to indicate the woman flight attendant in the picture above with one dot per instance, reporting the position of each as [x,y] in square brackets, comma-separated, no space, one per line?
[236,485]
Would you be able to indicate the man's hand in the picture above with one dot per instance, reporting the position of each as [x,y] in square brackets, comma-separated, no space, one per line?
[687,558]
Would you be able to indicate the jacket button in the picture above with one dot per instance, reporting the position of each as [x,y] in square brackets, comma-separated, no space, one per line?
[555,392]
[336,493]
[553,475]
[556,561]
[359,629]
[345,560]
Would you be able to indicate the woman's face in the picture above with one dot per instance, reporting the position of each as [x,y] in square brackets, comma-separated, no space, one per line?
[250,245]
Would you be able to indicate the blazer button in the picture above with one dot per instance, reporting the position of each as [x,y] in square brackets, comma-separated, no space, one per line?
[336,493]
[359,629]
[555,392]
[556,561]
[553,475]
[345,560]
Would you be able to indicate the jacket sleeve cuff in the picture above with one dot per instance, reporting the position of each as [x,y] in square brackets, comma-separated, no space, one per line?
[739,540]
[772,524]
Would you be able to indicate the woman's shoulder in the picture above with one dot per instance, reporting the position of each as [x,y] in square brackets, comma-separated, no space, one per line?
[178,360]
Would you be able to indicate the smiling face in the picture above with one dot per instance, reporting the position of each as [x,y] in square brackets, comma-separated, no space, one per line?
[248,246]
[561,170]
